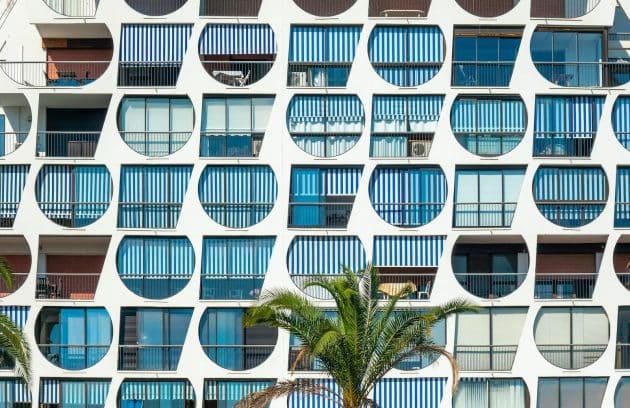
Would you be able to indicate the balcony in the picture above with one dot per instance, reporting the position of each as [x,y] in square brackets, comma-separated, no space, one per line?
[484,215]
[571,214]
[561,8]
[17,255]
[325,8]
[487,8]
[399,8]
[485,357]
[231,287]
[585,74]
[54,74]
[407,74]
[320,215]
[489,144]
[304,363]
[230,8]
[419,284]
[148,215]
[230,144]
[155,144]
[563,144]
[490,285]
[565,285]
[237,73]
[238,357]
[68,144]
[75,356]
[155,286]
[318,75]
[622,358]
[149,73]
[74,8]
[482,74]
[572,356]
[149,357]
[75,286]
[155,7]
[412,145]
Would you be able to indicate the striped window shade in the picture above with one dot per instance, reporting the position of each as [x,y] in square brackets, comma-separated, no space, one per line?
[12,182]
[483,115]
[408,196]
[238,196]
[74,393]
[13,391]
[622,198]
[134,392]
[621,120]
[152,196]
[567,116]
[236,256]
[237,39]
[324,181]
[325,255]
[17,314]
[154,42]
[408,251]
[229,392]
[321,44]
[406,55]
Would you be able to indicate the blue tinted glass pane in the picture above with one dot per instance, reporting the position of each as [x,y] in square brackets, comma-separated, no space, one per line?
[488,49]
[542,46]
[465,49]
[508,48]
[565,47]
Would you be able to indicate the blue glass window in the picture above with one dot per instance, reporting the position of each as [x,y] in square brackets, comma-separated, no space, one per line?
[14,393]
[12,182]
[227,393]
[73,393]
[141,393]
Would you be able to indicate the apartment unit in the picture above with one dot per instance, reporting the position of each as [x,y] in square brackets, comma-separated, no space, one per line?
[165,162]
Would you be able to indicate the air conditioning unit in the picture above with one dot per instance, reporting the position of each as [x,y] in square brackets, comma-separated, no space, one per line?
[256,146]
[419,148]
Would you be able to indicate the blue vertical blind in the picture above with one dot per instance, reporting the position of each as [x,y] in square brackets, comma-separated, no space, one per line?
[238,196]
[155,267]
[12,182]
[622,198]
[74,196]
[17,314]
[163,393]
[13,391]
[406,55]
[408,251]
[570,196]
[227,393]
[74,393]
[321,44]
[325,255]
[325,125]
[154,42]
[408,196]
[237,39]
[152,196]
[621,120]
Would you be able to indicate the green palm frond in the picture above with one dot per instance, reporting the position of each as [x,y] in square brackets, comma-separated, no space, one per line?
[14,344]
[6,273]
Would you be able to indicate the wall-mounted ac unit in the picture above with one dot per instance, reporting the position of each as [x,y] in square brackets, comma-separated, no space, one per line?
[419,148]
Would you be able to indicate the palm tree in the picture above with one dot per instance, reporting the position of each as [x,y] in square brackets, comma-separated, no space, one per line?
[358,344]
[14,347]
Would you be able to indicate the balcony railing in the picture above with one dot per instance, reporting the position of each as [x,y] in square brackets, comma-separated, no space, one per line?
[8,211]
[624,278]
[490,285]
[384,145]
[155,7]
[301,280]
[319,215]
[230,8]
[54,73]
[571,356]
[407,73]
[571,214]
[317,75]
[399,8]
[237,215]
[622,358]
[421,284]
[230,144]
[305,363]
[489,144]
[237,73]
[75,286]
[148,73]
[622,214]
[408,214]
[74,214]
[156,286]
[7,362]
[563,144]
[231,287]
[74,356]
[155,144]
[325,144]
[325,8]
[18,281]
[238,357]
[149,357]
[73,8]
[482,73]
[67,143]
[483,215]
[485,358]
[565,285]
[585,74]
[12,141]
[561,8]
[487,8]
[148,215]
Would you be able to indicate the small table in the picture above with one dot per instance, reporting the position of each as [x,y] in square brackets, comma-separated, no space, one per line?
[394,288]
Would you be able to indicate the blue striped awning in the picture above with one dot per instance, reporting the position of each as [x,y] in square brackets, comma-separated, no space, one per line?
[325,255]
[401,44]
[622,197]
[154,42]
[488,115]
[150,256]
[621,120]
[232,391]
[14,390]
[140,390]
[578,116]
[306,400]
[18,314]
[570,184]
[325,181]
[49,391]
[237,39]
[12,182]
[236,255]
[414,107]
[323,43]
[413,251]
[321,108]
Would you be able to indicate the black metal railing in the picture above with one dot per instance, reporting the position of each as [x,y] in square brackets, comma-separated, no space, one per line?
[486,357]
[564,285]
[73,8]
[230,144]
[54,73]
[148,73]
[561,8]
[18,280]
[149,357]
[420,284]
[8,212]
[325,8]
[407,73]
[155,7]
[319,215]
[67,143]
[237,215]
[156,286]
[490,285]
[230,8]
[624,278]
[408,214]
[238,73]
[489,144]
[570,214]
[238,357]
[585,74]
[399,8]
[74,286]
[386,144]
[496,73]
[73,214]
[622,357]
[231,287]
[481,215]
[487,8]
[571,356]
[148,215]
[155,143]
[304,363]
[11,141]
[74,356]
[563,144]
[318,74]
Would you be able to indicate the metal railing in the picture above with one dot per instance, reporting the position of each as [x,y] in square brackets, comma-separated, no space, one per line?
[7,362]
[324,8]
[18,281]
[563,144]
[149,357]
[561,8]
[570,214]
[317,75]
[305,363]
[237,215]
[325,144]
[73,8]
[319,215]
[399,8]
[417,361]
[489,144]
[74,356]
[75,286]
[301,280]
[54,73]
[564,285]
[571,356]
[485,358]
[231,287]
[624,278]
[481,215]
[472,73]
[383,145]
[155,143]
[67,143]
[421,284]
[238,73]
[622,215]
[238,357]
[585,74]
[148,215]
[11,141]
[490,285]
[156,286]
[230,8]
[155,7]
[73,214]
[407,73]
[487,8]
[408,214]
[8,212]
[148,73]
[622,356]
[230,144]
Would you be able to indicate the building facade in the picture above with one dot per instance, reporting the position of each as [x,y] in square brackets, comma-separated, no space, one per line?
[164,162]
